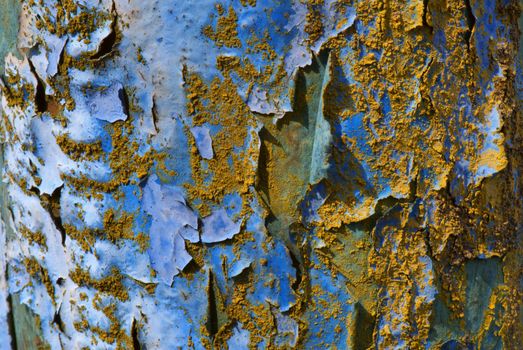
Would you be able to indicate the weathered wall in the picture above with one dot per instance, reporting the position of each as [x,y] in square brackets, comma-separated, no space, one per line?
[265,174]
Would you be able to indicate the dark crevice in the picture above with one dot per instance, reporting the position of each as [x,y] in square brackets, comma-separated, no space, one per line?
[298,267]
[154,114]
[57,320]
[34,190]
[40,98]
[134,335]
[218,322]
[212,311]
[109,42]
[471,22]
[243,276]
[124,98]
[364,328]
[11,322]
[144,285]
[52,205]
[61,59]
[61,344]
[191,268]
[425,15]
[262,175]
[383,206]
[426,239]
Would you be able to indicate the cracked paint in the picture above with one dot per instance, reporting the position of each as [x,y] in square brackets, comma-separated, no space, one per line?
[261,174]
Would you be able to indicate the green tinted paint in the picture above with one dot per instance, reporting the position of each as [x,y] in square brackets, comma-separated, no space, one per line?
[8,27]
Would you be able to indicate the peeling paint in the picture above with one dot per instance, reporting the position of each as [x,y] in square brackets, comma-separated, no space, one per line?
[261,174]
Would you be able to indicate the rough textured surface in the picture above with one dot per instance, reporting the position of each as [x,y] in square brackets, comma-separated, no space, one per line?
[261,174]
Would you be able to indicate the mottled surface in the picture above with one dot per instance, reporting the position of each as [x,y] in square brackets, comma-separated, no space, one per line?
[263,174]
[9,27]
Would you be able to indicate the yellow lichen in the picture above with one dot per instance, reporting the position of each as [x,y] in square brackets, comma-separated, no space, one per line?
[34,236]
[111,285]
[78,150]
[226,32]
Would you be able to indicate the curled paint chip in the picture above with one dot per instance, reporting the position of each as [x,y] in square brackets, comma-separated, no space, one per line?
[239,266]
[172,221]
[107,103]
[46,59]
[218,227]
[203,141]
